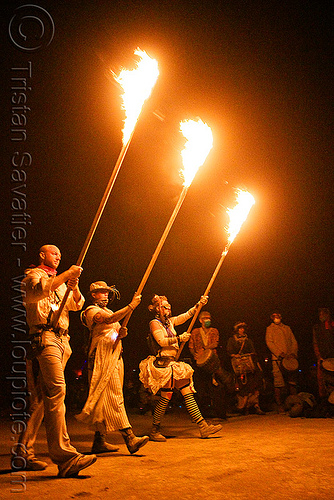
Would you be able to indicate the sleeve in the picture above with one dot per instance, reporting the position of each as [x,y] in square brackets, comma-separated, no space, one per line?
[192,340]
[294,344]
[72,305]
[158,333]
[36,286]
[182,318]
[214,338]
[90,314]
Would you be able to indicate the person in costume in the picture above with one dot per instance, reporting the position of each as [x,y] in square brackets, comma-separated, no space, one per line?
[211,378]
[284,348]
[162,372]
[104,410]
[323,345]
[248,372]
[43,291]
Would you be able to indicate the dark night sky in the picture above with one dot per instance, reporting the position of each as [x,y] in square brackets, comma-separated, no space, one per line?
[260,75]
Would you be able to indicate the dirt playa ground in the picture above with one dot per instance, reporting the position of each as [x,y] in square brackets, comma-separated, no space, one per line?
[253,457]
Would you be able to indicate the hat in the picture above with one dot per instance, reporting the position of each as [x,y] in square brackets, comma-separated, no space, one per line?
[275,313]
[240,324]
[308,398]
[296,410]
[204,313]
[99,286]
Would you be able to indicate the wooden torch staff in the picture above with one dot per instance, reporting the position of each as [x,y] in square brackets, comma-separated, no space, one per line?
[94,224]
[206,293]
[156,254]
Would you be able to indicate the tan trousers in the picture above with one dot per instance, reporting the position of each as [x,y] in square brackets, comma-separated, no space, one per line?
[25,445]
[52,362]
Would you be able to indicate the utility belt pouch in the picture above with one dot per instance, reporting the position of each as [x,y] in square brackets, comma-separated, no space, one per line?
[36,344]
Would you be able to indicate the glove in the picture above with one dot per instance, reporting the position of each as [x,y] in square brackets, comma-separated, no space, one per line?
[184,337]
[135,302]
[123,331]
[204,300]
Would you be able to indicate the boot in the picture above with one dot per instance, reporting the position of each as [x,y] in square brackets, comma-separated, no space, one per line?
[133,442]
[258,410]
[100,445]
[207,429]
[280,407]
[155,434]
[20,463]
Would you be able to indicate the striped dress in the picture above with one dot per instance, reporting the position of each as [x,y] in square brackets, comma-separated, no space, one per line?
[104,409]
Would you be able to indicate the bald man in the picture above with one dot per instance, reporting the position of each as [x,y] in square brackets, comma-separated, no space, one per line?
[42,292]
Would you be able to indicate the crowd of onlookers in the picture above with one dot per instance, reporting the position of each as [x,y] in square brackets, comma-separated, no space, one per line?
[243,385]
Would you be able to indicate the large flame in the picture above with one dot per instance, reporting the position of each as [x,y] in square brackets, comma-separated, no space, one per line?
[239,213]
[137,85]
[199,142]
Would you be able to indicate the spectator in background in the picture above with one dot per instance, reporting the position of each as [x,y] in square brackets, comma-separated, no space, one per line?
[248,372]
[284,353]
[208,375]
[323,345]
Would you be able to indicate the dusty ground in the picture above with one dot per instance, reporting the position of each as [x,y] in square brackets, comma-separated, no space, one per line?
[253,457]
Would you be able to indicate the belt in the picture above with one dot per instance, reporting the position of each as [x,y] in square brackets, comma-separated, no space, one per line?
[59,332]
[163,361]
[165,358]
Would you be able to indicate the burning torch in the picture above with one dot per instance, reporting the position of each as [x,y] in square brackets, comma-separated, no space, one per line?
[137,85]
[237,216]
[199,141]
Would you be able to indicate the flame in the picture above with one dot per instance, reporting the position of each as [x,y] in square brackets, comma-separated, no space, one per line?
[199,142]
[137,85]
[239,213]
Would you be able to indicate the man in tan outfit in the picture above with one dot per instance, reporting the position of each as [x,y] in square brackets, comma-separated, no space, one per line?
[42,293]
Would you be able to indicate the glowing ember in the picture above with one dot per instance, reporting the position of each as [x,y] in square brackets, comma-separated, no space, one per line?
[198,145]
[137,85]
[239,213]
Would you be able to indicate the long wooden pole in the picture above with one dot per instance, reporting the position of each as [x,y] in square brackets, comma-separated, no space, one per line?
[95,223]
[156,253]
[206,293]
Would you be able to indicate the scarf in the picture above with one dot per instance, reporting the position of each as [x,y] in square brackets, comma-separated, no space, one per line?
[49,270]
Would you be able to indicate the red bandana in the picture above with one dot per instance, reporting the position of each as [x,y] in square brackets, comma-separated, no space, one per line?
[47,269]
